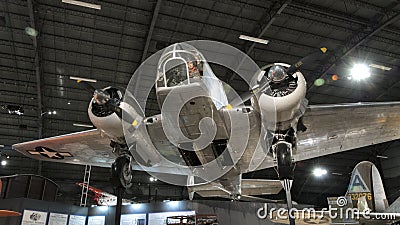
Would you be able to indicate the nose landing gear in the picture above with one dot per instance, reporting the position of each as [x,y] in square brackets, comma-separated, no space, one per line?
[282,152]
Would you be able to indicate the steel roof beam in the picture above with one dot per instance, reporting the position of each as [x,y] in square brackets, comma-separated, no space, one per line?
[275,13]
[272,13]
[151,29]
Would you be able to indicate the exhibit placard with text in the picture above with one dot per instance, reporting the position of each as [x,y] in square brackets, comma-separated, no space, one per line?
[77,220]
[31,217]
[133,219]
[58,219]
[96,220]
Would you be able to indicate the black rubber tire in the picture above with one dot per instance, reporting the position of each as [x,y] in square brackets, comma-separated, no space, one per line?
[284,160]
[121,172]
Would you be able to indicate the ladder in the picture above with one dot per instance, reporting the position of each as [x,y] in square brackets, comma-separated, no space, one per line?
[85,186]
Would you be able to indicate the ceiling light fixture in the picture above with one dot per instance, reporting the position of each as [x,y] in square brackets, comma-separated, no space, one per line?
[382,67]
[3,162]
[82,125]
[253,39]
[338,174]
[382,156]
[79,79]
[83,4]
[360,72]
[54,112]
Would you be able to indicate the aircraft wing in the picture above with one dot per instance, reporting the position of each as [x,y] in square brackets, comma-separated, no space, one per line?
[84,148]
[341,127]
[88,148]
[248,187]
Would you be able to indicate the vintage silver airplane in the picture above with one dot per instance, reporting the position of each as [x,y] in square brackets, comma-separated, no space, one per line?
[365,202]
[298,131]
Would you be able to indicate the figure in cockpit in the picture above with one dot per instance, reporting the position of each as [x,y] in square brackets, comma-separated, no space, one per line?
[181,66]
[195,69]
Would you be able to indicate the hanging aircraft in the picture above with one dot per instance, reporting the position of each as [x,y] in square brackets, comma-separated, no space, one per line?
[278,115]
[103,198]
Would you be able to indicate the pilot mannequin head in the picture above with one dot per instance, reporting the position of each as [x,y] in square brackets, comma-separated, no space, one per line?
[190,65]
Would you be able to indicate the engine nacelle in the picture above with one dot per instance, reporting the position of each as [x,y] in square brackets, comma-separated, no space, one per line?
[282,106]
[105,119]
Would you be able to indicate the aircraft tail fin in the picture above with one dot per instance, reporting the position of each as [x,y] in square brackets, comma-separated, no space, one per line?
[366,188]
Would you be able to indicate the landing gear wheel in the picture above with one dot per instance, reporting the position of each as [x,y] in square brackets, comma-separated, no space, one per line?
[285,168]
[122,172]
[284,161]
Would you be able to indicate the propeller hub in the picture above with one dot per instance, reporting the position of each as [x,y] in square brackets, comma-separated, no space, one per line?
[100,97]
[277,73]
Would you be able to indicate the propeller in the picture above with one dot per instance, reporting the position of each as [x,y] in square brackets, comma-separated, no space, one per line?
[306,60]
[101,97]
[278,73]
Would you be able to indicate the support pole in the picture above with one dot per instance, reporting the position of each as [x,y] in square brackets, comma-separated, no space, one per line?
[287,186]
[118,207]
[32,23]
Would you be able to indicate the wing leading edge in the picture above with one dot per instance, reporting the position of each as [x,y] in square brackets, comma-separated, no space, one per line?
[84,148]
[341,127]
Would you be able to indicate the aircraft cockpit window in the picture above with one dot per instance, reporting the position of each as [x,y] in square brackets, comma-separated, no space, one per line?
[180,64]
[176,72]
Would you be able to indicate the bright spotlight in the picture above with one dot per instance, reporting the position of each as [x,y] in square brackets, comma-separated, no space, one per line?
[152,179]
[318,172]
[3,162]
[360,72]
[54,112]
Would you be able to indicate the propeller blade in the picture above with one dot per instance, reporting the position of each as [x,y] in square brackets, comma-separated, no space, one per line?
[126,116]
[306,60]
[84,82]
[247,95]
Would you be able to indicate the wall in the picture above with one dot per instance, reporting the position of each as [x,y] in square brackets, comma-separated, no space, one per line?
[19,204]
[228,212]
